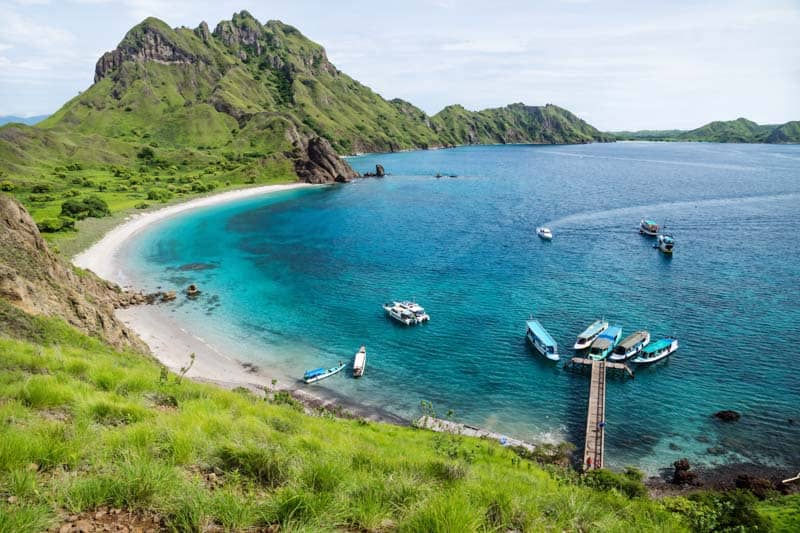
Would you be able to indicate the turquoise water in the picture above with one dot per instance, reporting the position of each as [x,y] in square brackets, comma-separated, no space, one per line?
[295,281]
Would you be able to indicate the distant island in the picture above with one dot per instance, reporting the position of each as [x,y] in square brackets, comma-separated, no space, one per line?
[30,121]
[740,130]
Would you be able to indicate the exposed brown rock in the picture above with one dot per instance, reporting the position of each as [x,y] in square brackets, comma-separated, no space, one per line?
[37,281]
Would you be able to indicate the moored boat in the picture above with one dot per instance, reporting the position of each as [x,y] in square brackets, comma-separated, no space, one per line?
[648,227]
[544,233]
[541,340]
[400,313]
[416,309]
[360,362]
[312,376]
[656,351]
[605,343]
[630,346]
[665,243]
[586,338]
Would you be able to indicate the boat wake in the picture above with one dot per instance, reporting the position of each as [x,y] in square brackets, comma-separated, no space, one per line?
[635,212]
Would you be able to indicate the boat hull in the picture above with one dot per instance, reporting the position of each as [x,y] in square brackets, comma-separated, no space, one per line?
[328,373]
[589,338]
[541,348]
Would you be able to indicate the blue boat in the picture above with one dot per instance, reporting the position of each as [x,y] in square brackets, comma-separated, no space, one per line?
[312,376]
[604,343]
[541,340]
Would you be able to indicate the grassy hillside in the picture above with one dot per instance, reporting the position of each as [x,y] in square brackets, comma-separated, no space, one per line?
[740,130]
[86,428]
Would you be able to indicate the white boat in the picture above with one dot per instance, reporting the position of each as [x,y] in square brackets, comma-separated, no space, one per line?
[399,313]
[656,351]
[418,310]
[665,243]
[586,338]
[544,233]
[630,346]
[360,362]
[648,227]
[408,313]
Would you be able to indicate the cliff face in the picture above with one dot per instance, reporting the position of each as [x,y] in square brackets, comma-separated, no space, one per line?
[33,279]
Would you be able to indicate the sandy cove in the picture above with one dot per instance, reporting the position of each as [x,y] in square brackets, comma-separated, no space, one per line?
[171,341]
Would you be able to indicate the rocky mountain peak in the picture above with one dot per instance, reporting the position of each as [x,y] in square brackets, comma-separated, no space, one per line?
[151,40]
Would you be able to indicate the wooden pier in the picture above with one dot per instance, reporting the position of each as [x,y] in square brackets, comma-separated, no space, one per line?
[593,450]
[594,447]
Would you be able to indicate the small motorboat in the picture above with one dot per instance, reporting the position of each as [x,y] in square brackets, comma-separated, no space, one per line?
[360,362]
[656,351]
[665,243]
[416,309]
[648,227]
[630,346]
[544,233]
[586,338]
[604,343]
[312,376]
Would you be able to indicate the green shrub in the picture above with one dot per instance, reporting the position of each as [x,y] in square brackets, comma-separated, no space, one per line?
[114,414]
[146,154]
[159,195]
[628,483]
[142,205]
[6,186]
[41,188]
[53,225]
[91,206]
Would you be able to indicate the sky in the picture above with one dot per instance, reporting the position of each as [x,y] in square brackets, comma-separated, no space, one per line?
[617,64]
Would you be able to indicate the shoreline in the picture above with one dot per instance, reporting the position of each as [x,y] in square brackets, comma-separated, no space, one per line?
[169,340]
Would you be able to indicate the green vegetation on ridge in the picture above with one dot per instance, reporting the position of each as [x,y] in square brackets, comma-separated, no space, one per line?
[740,130]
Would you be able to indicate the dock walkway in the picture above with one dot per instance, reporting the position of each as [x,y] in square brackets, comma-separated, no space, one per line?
[593,451]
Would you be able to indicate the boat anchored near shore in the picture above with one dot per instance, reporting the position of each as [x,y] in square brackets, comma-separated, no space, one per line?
[588,336]
[604,343]
[657,351]
[630,346]
[317,374]
[360,362]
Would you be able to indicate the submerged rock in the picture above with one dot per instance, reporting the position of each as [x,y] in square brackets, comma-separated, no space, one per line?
[727,415]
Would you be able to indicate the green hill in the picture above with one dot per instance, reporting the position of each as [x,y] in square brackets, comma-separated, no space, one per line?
[787,133]
[740,130]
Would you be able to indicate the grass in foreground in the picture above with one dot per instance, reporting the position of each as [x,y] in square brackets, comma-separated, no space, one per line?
[84,426]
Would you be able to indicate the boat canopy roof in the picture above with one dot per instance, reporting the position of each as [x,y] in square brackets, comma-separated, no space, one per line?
[657,346]
[312,373]
[633,339]
[611,333]
[600,344]
[538,330]
[649,223]
[593,328]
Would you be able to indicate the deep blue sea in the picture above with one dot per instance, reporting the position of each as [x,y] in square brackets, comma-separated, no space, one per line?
[296,280]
